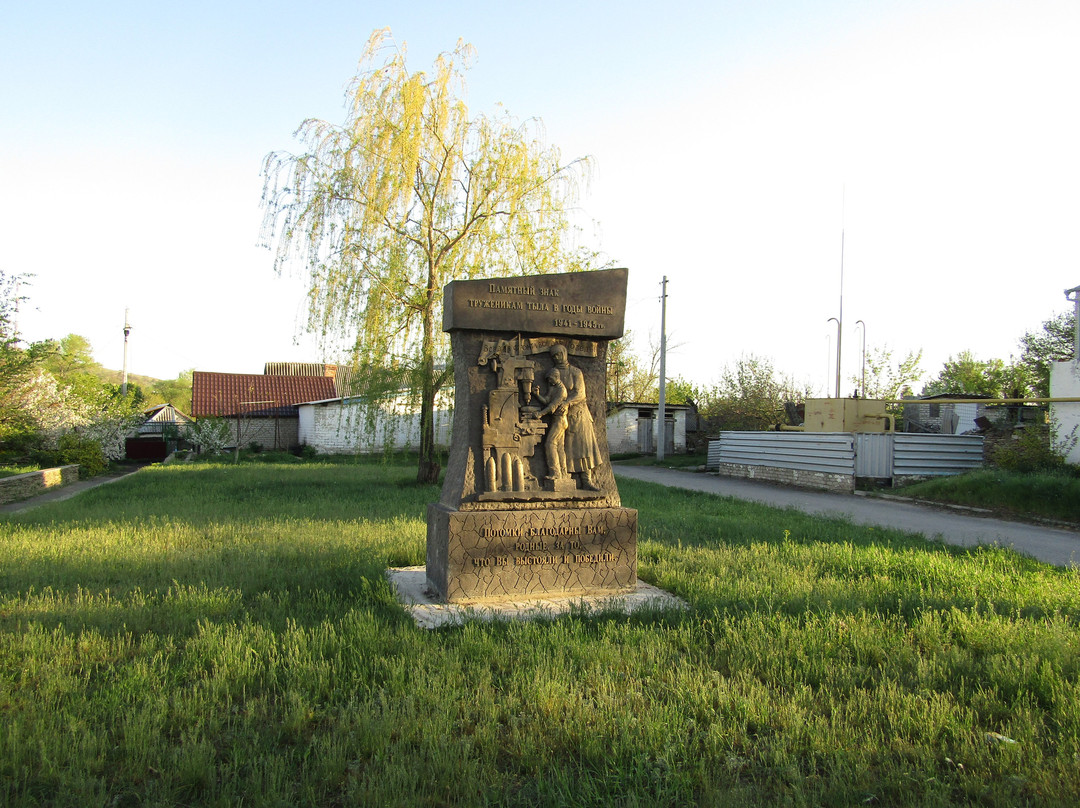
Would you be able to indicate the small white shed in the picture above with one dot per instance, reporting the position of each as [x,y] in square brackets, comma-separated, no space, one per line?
[631,427]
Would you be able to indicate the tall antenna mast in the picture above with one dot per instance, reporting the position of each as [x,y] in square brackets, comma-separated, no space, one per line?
[127,331]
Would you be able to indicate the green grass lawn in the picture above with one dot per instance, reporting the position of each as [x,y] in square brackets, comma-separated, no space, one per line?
[12,470]
[1050,495]
[671,461]
[225,635]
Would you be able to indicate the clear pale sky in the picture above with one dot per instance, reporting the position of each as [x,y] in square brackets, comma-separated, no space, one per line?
[734,143]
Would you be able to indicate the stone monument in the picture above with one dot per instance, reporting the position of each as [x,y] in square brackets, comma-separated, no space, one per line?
[529,506]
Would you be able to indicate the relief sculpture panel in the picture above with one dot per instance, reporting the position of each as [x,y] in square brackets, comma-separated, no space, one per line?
[540,399]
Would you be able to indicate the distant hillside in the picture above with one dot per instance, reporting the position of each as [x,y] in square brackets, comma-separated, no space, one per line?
[156,391]
[117,377]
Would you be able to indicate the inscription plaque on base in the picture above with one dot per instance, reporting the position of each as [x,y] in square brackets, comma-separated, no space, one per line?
[500,554]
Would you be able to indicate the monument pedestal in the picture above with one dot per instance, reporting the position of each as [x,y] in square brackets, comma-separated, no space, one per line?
[484,555]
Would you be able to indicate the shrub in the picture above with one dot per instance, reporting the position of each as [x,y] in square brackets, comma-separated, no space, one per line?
[1030,449]
[209,434]
[85,451]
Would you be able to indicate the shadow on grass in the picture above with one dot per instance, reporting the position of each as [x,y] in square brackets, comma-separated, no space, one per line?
[166,549]
[282,587]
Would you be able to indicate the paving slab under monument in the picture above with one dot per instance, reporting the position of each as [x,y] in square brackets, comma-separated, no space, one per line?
[410,583]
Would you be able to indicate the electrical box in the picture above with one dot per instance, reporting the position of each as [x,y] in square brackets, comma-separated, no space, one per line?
[846,415]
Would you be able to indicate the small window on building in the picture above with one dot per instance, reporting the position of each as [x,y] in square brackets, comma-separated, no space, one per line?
[935,410]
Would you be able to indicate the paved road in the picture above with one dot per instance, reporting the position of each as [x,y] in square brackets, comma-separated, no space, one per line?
[1054,545]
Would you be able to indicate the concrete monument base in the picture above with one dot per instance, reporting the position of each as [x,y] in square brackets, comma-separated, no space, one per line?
[488,554]
[410,584]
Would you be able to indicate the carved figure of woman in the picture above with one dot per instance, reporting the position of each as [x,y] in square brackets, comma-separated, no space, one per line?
[582,450]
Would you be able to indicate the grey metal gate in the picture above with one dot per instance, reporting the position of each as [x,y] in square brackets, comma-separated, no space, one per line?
[874,454]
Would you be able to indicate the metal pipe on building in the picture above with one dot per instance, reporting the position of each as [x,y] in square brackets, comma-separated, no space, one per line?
[961,400]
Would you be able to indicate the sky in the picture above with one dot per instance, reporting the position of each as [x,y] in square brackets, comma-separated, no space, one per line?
[918,162]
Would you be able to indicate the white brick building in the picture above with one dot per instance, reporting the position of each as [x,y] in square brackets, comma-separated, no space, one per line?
[1065,415]
[631,427]
[357,426]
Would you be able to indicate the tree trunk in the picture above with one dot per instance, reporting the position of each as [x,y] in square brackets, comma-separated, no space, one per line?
[428,471]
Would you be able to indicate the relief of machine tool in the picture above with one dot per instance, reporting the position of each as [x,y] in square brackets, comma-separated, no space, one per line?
[511,428]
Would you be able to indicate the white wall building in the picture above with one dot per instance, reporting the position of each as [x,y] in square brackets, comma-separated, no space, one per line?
[358,426]
[350,426]
[1065,416]
[631,428]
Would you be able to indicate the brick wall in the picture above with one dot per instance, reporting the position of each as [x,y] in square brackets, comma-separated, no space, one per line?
[21,486]
[336,428]
[822,481]
[622,431]
[270,433]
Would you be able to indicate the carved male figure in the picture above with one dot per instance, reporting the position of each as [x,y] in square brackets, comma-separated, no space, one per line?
[555,402]
[582,450]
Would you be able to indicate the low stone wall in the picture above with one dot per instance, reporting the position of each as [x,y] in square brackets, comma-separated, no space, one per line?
[822,481]
[21,486]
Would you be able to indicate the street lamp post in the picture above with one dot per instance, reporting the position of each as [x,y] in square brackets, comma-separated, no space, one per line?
[127,332]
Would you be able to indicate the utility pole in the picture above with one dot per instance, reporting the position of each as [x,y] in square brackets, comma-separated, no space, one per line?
[840,319]
[127,331]
[834,320]
[662,415]
[863,388]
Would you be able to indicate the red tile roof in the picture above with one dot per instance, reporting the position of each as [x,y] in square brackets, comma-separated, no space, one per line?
[223,394]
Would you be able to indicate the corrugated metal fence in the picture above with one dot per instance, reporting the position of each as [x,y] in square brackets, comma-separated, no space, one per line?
[935,455]
[882,455]
[829,452]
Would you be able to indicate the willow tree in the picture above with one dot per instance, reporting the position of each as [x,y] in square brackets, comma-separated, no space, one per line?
[409,193]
